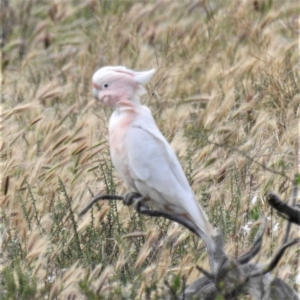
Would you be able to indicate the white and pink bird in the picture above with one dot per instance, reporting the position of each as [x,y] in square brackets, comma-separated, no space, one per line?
[140,153]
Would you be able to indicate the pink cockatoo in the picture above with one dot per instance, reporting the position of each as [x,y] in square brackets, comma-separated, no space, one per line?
[140,153]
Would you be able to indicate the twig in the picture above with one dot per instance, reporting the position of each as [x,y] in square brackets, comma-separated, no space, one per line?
[142,208]
[275,259]
[98,198]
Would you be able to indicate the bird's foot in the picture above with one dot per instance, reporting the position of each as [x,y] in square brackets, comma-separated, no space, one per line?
[137,200]
[140,205]
[130,198]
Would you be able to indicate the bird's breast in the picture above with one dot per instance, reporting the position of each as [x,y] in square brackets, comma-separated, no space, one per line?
[119,125]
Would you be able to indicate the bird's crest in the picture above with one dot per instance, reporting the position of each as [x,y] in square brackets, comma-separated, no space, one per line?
[139,77]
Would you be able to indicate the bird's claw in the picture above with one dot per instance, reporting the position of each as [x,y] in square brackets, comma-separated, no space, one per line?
[139,204]
[137,200]
[130,198]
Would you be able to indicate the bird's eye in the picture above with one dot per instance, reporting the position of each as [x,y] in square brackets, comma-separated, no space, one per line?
[105,85]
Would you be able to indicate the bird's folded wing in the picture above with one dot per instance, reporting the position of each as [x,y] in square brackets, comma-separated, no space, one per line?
[152,160]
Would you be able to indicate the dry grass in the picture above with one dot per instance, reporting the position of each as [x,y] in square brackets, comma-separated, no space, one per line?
[225,95]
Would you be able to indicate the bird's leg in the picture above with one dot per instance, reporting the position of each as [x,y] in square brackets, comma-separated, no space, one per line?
[130,197]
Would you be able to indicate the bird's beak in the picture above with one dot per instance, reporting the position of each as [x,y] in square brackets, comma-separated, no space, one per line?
[96,93]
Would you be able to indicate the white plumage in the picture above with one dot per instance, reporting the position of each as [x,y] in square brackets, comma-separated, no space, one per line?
[140,153]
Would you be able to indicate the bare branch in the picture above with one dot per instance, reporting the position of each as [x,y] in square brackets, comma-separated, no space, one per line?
[143,208]
[98,198]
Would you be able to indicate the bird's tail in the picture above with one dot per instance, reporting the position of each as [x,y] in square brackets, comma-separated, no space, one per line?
[202,222]
[206,232]
[199,217]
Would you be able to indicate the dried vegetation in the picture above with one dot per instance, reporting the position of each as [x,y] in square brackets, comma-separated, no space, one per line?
[226,95]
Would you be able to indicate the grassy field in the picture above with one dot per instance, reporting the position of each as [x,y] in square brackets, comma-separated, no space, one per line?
[225,95]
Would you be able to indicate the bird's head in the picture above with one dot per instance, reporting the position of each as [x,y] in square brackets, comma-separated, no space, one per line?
[114,84]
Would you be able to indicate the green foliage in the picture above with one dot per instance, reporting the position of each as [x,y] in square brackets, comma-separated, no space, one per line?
[298,179]
[17,284]
[254,213]
[88,292]
[74,224]
[176,285]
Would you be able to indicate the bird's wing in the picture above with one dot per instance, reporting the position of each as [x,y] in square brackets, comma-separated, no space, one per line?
[152,160]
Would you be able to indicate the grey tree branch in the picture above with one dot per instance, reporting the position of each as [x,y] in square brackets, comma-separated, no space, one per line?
[141,207]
